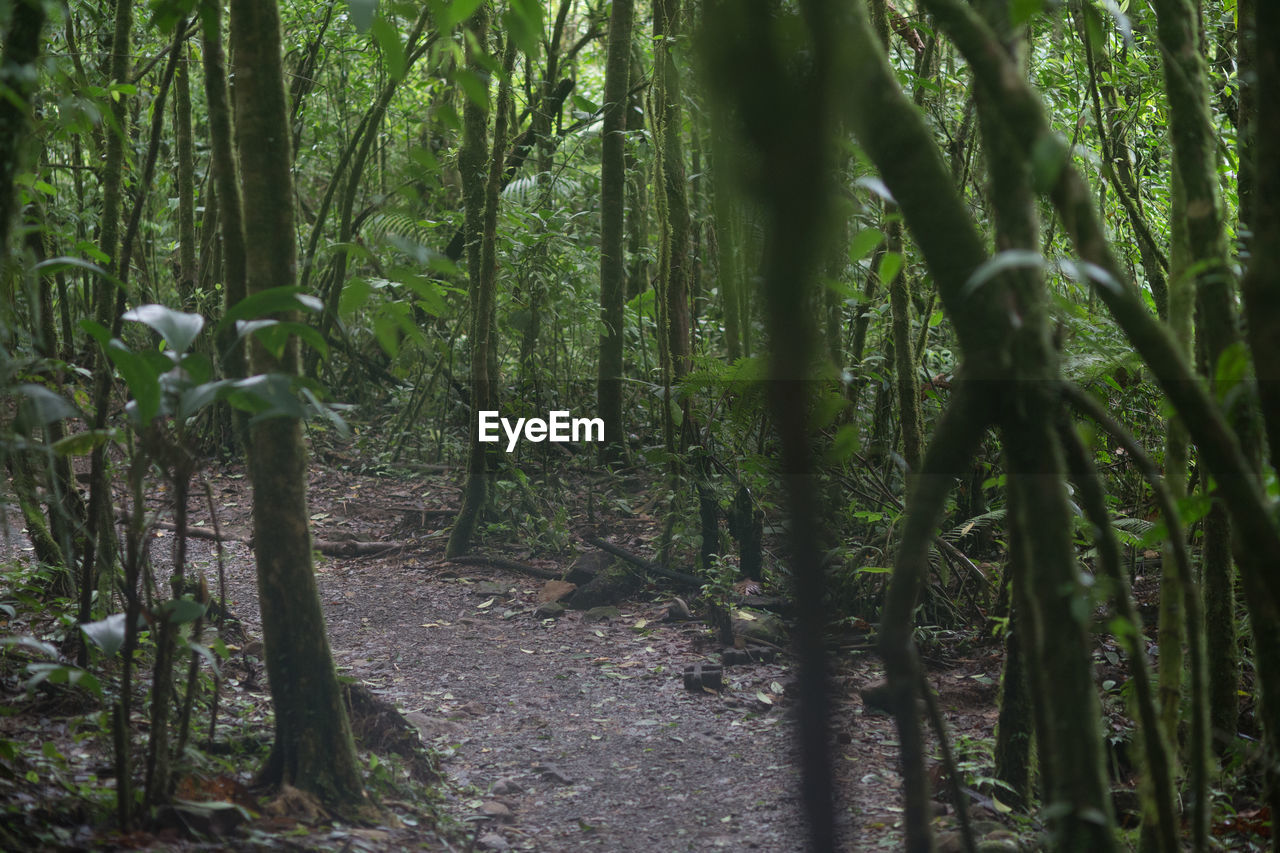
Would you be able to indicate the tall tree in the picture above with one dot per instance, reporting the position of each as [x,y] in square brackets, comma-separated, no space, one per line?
[613,187]
[313,748]
[474,161]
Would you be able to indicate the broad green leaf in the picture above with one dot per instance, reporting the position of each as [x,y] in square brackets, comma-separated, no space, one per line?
[81,443]
[267,302]
[143,381]
[890,266]
[362,13]
[177,328]
[388,39]
[1021,11]
[268,395]
[194,399]
[181,611]
[1010,259]
[107,634]
[863,243]
[524,21]
[355,295]
[473,86]
[45,404]
[1231,369]
[447,15]
[845,444]
[877,186]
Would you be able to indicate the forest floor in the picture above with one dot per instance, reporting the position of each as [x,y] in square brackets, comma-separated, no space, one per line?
[550,734]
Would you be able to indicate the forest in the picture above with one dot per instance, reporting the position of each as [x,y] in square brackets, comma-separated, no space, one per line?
[603,425]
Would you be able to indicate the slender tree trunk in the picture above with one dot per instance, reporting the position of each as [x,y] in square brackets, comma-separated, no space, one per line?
[313,748]
[187,272]
[1262,301]
[613,181]
[99,540]
[484,371]
[18,75]
[473,160]
[1195,168]
[226,203]
[668,132]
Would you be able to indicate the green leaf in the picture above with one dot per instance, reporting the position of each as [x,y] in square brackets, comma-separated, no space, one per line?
[388,39]
[863,243]
[1009,259]
[362,13]
[844,445]
[165,14]
[194,399]
[448,15]
[1231,369]
[890,266]
[143,381]
[81,443]
[181,611]
[268,395]
[875,570]
[1021,11]
[177,328]
[274,335]
[524,21]
[473,86]
[355,295]
[107,634]
[45,404]
[274,301]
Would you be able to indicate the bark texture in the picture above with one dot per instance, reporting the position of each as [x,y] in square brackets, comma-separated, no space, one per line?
[313,748]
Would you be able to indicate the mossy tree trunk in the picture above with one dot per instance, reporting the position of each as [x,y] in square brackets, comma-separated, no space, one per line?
[1262,299]
[472,160]
[313,748]
[1201,223]
[613,187]
[99,548]
[668,134]
[484,370]
[1010,373]
[186,272]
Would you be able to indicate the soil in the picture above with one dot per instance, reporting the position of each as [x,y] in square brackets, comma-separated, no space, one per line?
[563,733]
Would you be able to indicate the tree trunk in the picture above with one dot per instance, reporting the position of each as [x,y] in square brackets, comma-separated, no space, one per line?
[99,548]
[484,373]
[186,278]
[613,180]
[313,748]
[668,132]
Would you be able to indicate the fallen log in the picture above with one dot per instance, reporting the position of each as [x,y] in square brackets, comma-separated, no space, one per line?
[692,581]
[509,565]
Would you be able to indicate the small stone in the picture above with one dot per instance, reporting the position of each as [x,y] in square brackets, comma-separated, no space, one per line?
[496,811]
[507,786]
[491,588]
[605,613]
[493,841]
[550,610]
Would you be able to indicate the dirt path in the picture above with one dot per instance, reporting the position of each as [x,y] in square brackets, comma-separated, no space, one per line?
[572,735]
